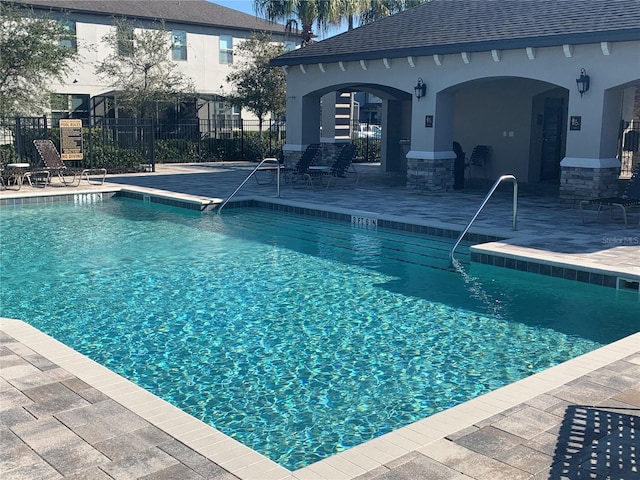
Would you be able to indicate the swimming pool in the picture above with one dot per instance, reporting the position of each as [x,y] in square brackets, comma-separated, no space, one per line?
[298,337]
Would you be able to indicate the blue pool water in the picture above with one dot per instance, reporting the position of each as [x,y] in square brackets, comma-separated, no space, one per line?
[298,337]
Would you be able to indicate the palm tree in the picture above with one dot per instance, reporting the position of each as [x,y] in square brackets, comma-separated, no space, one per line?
[352,9]
[301,15]
[383,8]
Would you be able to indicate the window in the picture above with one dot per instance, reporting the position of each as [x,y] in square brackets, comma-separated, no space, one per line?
[179,45]
[226,49]
[68,38]
[124,33]
[69,106]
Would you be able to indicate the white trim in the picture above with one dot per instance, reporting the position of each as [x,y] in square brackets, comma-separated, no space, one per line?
[437,59]
[590,162]
[606,48]
[531,53]
[411,61]
[568,50]
[363,64]
[495,54]
[422,155]
[387,63]
[303,68]
[466,57]
[342,67]
[321,67]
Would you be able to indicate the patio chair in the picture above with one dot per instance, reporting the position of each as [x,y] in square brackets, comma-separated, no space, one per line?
[630,198]
[53,163]
[13,175]
[480,155]
[343,169]
[301,170]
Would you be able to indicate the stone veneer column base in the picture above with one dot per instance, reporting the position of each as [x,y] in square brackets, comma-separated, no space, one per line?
[430,174]
[582,179]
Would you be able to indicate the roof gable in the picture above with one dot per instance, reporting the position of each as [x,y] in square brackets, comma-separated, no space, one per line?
[194,12]
[454,26]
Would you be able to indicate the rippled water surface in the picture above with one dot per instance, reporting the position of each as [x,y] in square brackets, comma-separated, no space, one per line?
[298,337]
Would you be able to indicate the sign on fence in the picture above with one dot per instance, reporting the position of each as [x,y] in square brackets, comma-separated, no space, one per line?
[70,139]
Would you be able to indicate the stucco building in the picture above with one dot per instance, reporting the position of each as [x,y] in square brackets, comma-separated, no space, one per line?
[203,36]
[500,73]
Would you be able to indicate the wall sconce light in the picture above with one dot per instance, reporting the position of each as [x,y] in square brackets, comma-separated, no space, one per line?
[583,82]
[420,89]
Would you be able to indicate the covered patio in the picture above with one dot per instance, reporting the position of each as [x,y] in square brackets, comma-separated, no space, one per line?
[544,84]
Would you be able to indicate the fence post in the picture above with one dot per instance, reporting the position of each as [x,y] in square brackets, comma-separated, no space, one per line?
[152,147]
[90,142]
[19,138]
[242,138]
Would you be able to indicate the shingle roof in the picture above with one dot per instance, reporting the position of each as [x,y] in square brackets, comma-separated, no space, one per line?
[194,12]
[454,26]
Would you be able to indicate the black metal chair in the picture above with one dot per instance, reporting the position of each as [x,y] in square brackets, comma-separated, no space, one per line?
[301,169]
[342,168]
[629,198]
[480,155]
[53,164]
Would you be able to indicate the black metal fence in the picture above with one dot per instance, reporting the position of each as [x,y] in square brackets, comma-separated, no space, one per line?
[138,144]
[17,135]
[367,137]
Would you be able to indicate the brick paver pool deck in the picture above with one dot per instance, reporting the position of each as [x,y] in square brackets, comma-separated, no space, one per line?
[64,416]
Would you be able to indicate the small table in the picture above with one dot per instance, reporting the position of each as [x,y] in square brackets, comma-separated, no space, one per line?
[315,172]
[17,174]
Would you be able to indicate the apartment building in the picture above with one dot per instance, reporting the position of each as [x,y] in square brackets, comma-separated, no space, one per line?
[203,36]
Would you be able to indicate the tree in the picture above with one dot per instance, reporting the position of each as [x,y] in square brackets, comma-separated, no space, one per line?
[259,87]
[301,14]
[383,8]
[140,70]
[305,14]
[352,9]
[31,59]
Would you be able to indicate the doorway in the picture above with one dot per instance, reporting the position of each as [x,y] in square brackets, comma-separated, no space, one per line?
[552,130]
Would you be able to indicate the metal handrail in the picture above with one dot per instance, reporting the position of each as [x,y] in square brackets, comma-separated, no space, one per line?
[269,159]
[484,202]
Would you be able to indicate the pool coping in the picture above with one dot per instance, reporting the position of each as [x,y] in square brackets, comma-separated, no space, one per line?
[248,464]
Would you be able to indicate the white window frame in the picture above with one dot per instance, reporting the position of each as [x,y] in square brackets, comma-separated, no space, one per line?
[179,45]
[225,44]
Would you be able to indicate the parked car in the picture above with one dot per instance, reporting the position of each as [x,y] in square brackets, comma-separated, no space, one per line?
[364,130]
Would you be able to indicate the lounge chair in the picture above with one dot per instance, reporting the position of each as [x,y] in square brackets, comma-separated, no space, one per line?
[53,163]
[629,198]
[301,170]
[343,169]
[480,155]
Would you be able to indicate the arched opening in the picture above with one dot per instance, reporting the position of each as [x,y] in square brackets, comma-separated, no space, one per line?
[330,115]
[522,121]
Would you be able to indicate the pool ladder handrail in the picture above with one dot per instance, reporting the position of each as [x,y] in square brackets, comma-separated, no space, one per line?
[268,159]
[484,202]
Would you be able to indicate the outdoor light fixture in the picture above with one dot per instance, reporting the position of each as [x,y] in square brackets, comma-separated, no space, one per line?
[420,88]
[583,82]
